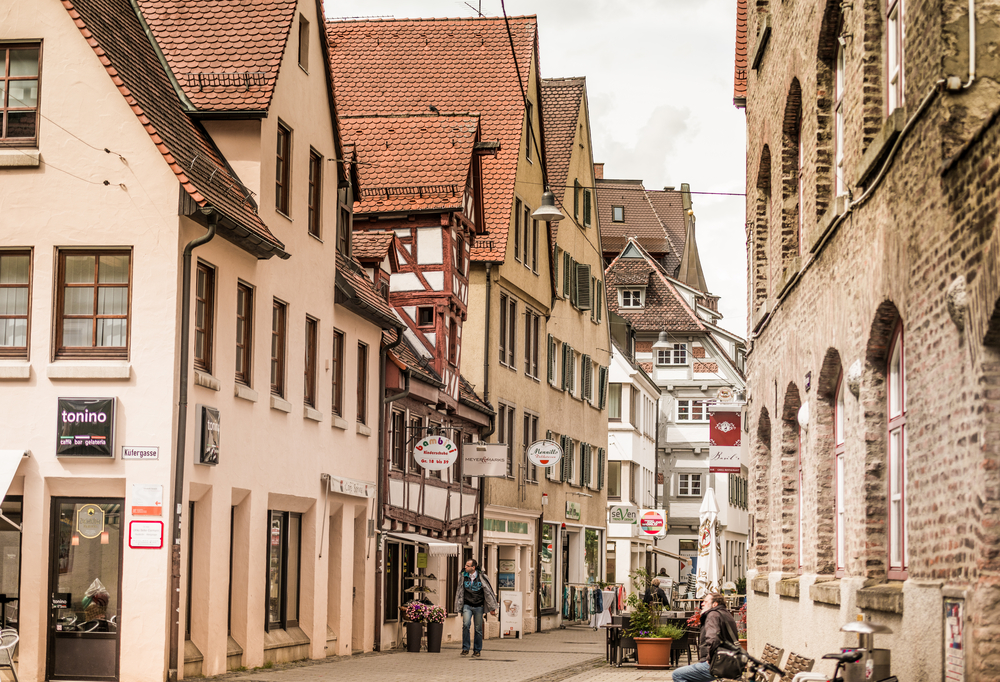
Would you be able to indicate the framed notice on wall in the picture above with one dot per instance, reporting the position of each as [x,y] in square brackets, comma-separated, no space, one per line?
[85,427]
[209,435]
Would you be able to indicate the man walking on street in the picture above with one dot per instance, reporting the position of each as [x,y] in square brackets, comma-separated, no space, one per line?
[717,625]
[474,595]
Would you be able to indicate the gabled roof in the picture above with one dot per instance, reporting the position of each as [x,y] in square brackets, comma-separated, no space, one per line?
[467,395]
[374,245]
[225,54]
[669,207]
[664,307]
[409,163]
[114,32]
[357,293]
[402,66]
[561,99]
[642,220]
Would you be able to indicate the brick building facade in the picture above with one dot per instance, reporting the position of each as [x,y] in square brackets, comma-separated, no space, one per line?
[874,324]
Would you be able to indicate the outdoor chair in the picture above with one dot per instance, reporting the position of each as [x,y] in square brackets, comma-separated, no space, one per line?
[8,640]
[772,655]
[796,664]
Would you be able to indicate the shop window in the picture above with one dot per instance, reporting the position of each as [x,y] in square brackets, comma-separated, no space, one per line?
[93,305]
[20,67]
[15,291]
[10,567]
[283,563]
[392,587]
[452,583]
[547,568]
[592,554]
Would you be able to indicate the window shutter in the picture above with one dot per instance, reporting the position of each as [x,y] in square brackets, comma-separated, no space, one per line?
[570,460]
[585,464]
[564,472]
[602,387]
[555,268]
[599,299]
[567,274]
[565,366]
[576,199]
[584,299]
[588,377]
[600,468]
[552,359]
[571,368]
[586,208]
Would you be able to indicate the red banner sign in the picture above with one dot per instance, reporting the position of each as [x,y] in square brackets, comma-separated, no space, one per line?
[725,434]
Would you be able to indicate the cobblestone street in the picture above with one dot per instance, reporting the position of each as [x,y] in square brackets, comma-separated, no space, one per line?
[574,654]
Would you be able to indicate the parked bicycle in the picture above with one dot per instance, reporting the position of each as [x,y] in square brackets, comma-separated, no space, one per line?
[756,668]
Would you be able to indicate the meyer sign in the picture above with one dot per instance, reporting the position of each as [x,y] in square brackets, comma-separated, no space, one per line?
[435,453]
[544,453]
[484,459]
[724,434]
[653,522]
[624,513]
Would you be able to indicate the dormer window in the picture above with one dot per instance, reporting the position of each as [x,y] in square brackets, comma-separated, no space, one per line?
[631,298]
[677,355]
[618,214]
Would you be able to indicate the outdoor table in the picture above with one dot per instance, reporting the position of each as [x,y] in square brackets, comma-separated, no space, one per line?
[613,644]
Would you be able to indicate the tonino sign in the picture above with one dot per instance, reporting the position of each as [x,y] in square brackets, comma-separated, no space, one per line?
[85,427]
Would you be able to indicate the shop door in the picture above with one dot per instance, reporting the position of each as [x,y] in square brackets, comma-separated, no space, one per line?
[85,589]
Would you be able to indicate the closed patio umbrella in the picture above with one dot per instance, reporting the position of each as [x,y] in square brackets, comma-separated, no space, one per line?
[709,550]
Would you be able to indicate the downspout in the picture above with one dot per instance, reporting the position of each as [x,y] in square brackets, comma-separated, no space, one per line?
[380,488]
[182,404]
[486,399]
[656,481]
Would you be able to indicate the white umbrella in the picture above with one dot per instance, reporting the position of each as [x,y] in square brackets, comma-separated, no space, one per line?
[709,554]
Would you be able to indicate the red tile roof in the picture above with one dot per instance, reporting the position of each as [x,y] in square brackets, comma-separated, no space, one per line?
[742,63]
[455,65]
[561,98]
[408,163]
[361,296]
[374,244]
[113,31]
[669,209]
[642,220]
[664,308]
[225,54]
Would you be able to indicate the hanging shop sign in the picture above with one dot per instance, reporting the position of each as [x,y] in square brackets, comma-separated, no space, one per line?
[544,453]
[724,434]
[435,453]
[85,427]
[210,435]
[653,522]
[573,510]
[484,459]
[623,513]
[90,521]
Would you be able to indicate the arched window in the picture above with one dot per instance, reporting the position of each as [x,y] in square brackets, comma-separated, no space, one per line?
[896,413]
[838,453]
[839,187]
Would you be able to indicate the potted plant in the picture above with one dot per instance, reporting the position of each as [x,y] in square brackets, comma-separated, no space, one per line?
[653,640]
[741,626]
[434,620]
[414,615]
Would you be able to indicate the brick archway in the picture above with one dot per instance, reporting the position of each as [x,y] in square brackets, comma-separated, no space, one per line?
[760,548]
[789,485]
[823,463]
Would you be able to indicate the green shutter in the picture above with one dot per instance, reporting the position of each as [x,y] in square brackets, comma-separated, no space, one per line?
[586,208]
[552,359]
[602,387]
[588,377]
[583,298]
[600,468]
[567,273]
[564,470]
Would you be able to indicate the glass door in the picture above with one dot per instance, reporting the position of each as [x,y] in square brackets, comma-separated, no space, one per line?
[85,589]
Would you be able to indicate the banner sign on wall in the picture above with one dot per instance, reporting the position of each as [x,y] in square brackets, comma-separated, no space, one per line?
[484,459]
[544,453]
[724,442]
[211,435]
[653,523]
[573,510]
[85,427]
[435,453]
[623,513]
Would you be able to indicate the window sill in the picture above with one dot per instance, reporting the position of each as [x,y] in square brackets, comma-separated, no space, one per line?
[311,413]
[886,597]
[280,404]
[788,587]
[245,393]
[316,237]
[339,423]
[826,592]
[15,370]
[284,215]
[760,585]
[206,380]
[20,158]
[362,429]
[92,369]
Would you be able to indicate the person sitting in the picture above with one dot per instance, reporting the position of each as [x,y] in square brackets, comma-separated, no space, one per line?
[655,593]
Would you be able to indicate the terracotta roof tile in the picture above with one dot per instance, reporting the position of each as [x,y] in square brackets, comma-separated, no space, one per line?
[467,394]
[455,65]
[742,63]
[642,220]
[372,244]
[113,31]
[408,163]
[225,54]
[352,279]
[561,99]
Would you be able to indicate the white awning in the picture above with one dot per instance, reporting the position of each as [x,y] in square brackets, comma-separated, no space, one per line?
[434,546]
[670,555]
[9,461]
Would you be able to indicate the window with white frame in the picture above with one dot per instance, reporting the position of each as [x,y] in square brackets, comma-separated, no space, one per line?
[838,453]
[898,559]
[618,214]
[692,410]
[677,355]
[894,53]
[631,298]
[689,485]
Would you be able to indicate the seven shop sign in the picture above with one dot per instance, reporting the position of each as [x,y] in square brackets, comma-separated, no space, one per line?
[624,514]
[435,453]
[544,453]
[85,427]
[653,522]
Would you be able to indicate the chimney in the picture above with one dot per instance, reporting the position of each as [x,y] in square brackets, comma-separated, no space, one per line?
[599,171]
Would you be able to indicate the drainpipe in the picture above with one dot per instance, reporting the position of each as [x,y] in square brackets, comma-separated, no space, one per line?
[182,404]
[656,479]
[486,399]
[380,488]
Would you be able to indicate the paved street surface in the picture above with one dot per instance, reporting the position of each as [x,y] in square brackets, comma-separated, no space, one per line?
[575,654]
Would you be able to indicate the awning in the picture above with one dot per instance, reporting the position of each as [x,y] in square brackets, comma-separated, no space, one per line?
[9,461]
[670,555]
[434,546]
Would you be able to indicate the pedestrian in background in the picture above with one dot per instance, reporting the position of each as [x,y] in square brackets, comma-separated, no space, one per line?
[655,593]
[717,625]
[474,596]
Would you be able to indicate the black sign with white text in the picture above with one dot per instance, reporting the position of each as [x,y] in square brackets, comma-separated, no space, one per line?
[85,427]
[211,434]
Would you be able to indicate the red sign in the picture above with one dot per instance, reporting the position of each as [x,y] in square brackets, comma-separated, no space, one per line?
[725,436]
[652,522]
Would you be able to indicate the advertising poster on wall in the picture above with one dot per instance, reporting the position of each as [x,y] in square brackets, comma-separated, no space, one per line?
[511,614]
[724,435]
[85,427]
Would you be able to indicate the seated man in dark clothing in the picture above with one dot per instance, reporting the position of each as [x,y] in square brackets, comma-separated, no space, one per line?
[655,593]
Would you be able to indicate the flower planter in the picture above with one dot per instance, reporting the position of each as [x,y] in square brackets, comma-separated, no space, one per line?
[743,643]
[653,652]
[435,631]
[414,633]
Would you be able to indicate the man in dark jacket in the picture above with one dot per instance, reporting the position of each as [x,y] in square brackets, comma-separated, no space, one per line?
[717,625]
[474,595]
[655,593]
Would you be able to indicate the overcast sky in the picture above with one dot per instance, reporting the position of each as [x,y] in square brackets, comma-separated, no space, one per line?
[660,83]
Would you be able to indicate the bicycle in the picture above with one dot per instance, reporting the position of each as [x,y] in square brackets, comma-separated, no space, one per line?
[756,667]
